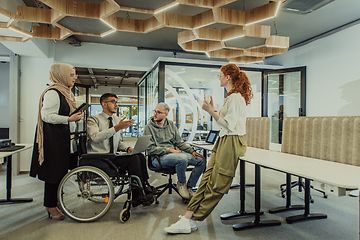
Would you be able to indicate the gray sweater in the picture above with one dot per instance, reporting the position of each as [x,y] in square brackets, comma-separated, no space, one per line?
[164,138]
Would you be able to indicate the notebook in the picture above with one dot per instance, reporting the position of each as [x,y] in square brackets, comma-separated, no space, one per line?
[140,146]
[210,139]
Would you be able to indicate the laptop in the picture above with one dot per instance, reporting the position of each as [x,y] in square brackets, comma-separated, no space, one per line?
[140,146]
[210,139]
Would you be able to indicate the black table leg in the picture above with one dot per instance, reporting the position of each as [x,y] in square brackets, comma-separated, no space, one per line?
[288,206]
[306,215]
[242,211]
[257,222]
[8,199]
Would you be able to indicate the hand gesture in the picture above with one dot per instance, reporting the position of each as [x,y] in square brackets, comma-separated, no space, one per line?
[196,154]
[76,117]
[174,151]
[130,149]
[124,124]
[208,106]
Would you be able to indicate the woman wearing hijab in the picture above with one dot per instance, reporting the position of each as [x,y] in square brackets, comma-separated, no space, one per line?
[230,145]
[51,154]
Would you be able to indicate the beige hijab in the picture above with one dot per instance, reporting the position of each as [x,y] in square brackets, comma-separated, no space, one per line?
[59,74]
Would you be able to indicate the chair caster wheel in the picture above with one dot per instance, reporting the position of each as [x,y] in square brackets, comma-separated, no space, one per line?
[156,202]
[312,201]
[124,215]
[325,196]
[282,195]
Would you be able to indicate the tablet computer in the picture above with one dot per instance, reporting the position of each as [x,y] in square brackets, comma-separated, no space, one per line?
[82,107]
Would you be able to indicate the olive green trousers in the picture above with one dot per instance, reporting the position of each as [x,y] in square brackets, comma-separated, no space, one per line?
[218,176]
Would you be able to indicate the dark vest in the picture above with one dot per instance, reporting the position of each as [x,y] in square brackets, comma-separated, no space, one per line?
[56,148]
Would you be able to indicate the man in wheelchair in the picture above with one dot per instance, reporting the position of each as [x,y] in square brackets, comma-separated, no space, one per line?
[105,136]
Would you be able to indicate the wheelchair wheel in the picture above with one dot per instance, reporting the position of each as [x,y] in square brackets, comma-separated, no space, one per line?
[125,215]
[85,194]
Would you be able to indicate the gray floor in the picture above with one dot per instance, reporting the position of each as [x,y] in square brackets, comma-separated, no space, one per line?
[29,220]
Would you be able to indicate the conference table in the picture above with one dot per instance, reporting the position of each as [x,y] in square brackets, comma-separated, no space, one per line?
[8,157]
[333,173]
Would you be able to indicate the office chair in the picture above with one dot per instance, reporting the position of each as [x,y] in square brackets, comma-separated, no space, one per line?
[301,185]
[165,171]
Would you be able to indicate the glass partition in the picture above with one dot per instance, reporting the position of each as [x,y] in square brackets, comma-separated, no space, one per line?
[285,98]
[183,87]
[142,107]
[148,98]
[152,92]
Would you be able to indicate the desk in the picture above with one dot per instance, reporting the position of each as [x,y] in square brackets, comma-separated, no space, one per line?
[199,132]
[241,185]
[8,156]
[336,174]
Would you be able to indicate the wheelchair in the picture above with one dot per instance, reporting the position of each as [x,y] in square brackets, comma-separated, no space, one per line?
[86,193]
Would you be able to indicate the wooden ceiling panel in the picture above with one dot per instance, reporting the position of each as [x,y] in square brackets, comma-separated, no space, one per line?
[83,18]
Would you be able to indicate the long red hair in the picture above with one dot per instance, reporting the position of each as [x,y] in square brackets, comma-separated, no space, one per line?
[240,81]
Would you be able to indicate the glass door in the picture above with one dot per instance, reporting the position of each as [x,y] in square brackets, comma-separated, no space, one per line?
[285,98]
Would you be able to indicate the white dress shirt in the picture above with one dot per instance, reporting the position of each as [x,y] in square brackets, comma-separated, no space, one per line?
[50,110]
[233,116]
[98,132]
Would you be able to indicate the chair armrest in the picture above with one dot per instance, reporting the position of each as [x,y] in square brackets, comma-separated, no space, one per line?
[158,160]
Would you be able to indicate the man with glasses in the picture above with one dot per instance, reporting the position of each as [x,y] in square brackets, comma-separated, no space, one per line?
[172,150]
[105,136]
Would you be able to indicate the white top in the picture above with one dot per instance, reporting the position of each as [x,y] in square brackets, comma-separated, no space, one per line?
[233,116]
[99,133]
[50,110]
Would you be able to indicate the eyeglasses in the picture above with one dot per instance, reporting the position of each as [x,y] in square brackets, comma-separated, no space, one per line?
[74,75]
[158,112]
[113,101]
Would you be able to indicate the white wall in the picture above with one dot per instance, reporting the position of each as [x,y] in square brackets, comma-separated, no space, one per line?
[4,51]
[333,76]
[4,94]
[34,77]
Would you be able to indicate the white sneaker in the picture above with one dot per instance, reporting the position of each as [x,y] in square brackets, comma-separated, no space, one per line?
[193,225]
[182,188]
[191,193]
[181,226]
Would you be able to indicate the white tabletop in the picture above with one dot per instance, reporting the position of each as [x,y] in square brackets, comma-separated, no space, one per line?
[6,154]
[203,146]
[202,131]
[337,174]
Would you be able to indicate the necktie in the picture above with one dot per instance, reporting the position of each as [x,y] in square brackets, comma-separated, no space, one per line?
[111,139]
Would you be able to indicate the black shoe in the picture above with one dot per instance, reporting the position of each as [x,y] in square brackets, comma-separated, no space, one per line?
[136,202]
[149,199]
[150,189]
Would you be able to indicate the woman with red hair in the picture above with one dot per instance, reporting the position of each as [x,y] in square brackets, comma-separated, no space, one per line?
[229,147]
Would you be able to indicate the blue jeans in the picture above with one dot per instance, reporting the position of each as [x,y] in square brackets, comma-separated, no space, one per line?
[180,161]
